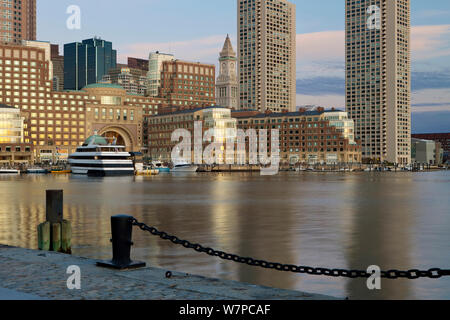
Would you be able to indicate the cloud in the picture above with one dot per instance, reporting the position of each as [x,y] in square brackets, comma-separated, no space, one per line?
[431,100]
[430,108]
[431,80]
[323,53]
[319,54]
[202,49]
[326,45]
[325,85]
[321,86]
[432,13]
[429,42]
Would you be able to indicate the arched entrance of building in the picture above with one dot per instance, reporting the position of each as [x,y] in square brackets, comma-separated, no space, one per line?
[120,136]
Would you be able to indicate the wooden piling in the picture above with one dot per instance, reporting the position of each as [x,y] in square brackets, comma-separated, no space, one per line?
[56,237]
[44,236]
[55,234]
[66,237]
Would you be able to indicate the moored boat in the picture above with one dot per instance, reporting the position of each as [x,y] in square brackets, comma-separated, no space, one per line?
[36,171]
[96,157]
[60,171]
[184,167]
[142,170]
[9,171]
[158,165]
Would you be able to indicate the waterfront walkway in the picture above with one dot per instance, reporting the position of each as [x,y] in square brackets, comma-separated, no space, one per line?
[33,275]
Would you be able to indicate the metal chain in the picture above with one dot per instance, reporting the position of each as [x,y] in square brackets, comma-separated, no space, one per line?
[434,273]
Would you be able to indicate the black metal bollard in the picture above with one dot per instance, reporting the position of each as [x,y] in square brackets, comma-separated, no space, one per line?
[121,230]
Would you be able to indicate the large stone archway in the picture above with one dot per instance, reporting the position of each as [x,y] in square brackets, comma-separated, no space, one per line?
[123,136]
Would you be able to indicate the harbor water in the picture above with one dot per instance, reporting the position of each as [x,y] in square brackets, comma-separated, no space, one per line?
[333,220]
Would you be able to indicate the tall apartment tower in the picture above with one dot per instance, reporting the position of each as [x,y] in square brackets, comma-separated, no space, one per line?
[378,77]
[267,54]
[17,21]
[227,84]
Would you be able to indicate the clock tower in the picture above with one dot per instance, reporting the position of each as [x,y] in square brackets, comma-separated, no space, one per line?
[227,94]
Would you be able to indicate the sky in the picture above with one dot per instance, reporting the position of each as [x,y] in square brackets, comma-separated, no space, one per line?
[196,29]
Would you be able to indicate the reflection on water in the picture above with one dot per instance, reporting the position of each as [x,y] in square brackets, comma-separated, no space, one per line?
[396,221]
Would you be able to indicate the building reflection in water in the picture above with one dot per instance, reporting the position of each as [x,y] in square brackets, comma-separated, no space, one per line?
[382,224]
[346,221]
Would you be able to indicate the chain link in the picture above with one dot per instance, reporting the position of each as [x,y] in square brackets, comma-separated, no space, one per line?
[434,273]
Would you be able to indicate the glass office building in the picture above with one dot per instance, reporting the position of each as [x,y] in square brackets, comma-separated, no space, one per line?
[87,62]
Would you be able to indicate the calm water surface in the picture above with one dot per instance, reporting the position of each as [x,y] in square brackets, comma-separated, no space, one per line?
[396,221]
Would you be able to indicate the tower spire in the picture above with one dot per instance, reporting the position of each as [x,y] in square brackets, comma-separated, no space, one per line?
[227,50]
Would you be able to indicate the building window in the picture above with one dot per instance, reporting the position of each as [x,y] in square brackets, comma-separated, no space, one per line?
[109,100]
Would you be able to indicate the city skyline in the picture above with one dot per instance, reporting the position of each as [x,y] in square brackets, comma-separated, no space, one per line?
[320,45]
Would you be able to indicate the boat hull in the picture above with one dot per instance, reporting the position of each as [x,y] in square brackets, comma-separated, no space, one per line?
[9,172]
[185,169]
[37,171]
[110,173]
[103,172]
[61,172]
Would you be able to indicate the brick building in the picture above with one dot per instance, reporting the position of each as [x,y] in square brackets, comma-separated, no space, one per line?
[311,137]
[186,83]
[162,126]
[136,63]
[58,68]
[18,21]
[55,123]
[325,137]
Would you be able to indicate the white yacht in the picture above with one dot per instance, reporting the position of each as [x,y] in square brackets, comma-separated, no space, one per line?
[9,171]
[98,158]
[183,166]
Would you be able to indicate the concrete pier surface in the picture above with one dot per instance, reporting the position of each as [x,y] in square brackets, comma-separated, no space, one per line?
[35,275]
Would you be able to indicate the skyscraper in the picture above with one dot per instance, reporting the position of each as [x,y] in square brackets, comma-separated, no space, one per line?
[87,62]
[18,21]
[378,77]
[267,54]
[227,84]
